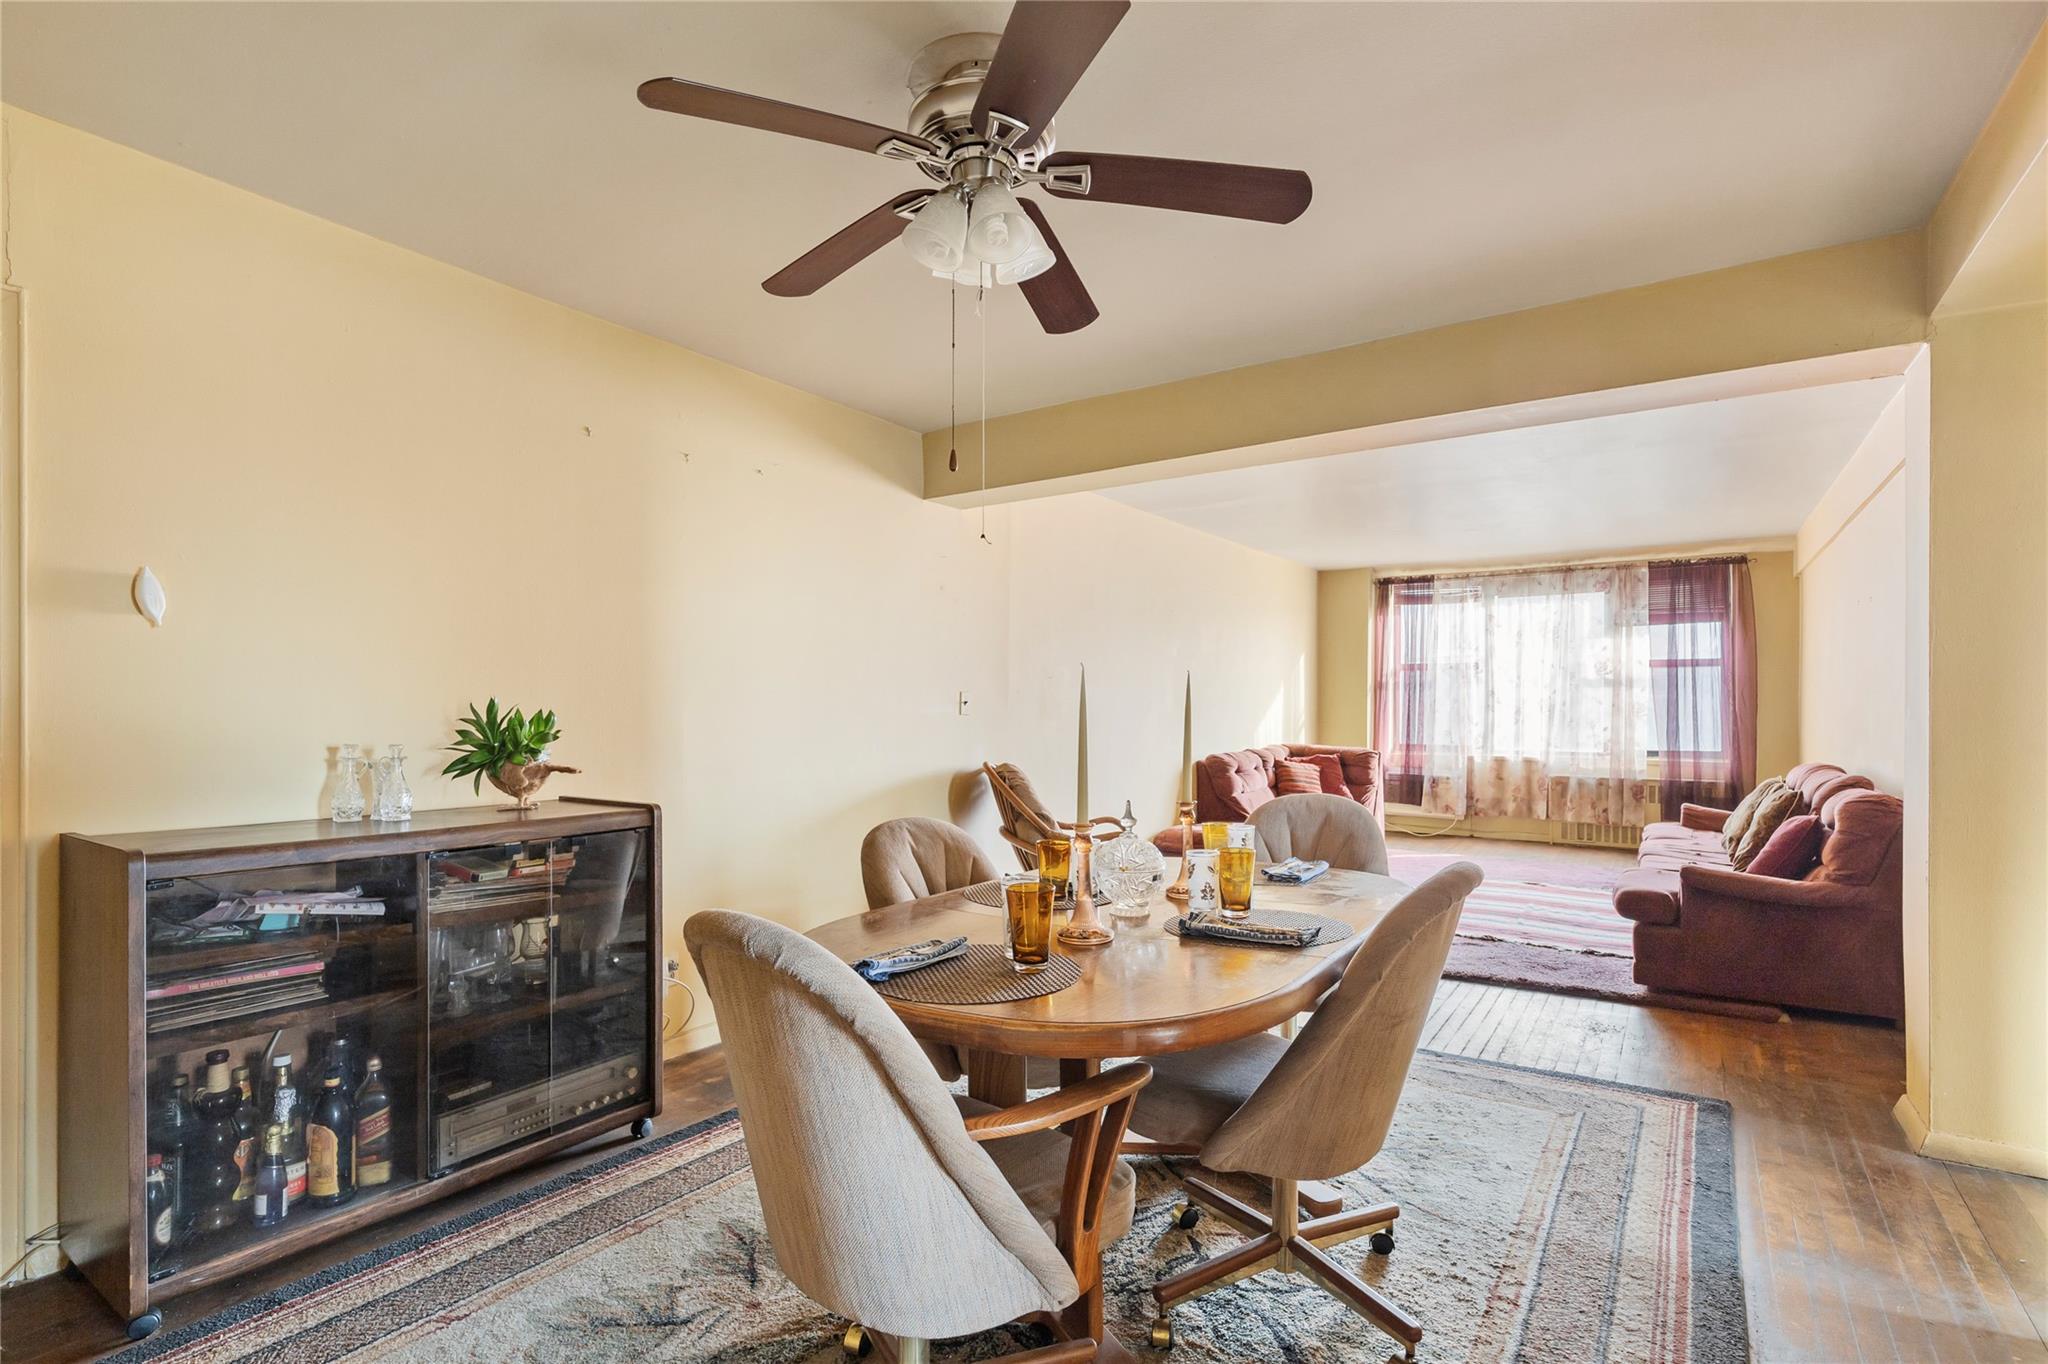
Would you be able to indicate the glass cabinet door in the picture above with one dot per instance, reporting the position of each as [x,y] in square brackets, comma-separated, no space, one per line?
[491,980]
[261,986]
[605,963]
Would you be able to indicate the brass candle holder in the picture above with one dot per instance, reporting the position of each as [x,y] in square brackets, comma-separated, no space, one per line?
[1084,928]
[1186,819]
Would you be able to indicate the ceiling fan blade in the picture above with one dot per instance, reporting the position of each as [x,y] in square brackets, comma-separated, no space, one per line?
[1058,297]
[1046,46]
[1263,193]
[676,96]
[844,249]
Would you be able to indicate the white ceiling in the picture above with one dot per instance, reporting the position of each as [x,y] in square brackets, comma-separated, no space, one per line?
[1735,470]
[1469,159]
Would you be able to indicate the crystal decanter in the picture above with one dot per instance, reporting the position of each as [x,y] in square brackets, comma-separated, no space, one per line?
[347,806]
[1127,868]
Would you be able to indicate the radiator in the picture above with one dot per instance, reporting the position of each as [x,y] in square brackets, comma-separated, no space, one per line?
[1600,835]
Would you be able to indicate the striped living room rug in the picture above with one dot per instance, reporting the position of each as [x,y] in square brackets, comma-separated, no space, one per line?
[1546,1218]
[1569,918]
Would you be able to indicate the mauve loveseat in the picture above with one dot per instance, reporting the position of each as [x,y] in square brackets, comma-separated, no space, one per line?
[1229,786]
[1830,940]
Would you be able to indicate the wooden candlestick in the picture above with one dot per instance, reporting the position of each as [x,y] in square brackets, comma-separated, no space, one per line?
[1084,928]
[1185,817]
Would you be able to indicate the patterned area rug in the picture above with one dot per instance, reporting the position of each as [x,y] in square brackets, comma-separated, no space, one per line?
[1568,918]
[1545,1218]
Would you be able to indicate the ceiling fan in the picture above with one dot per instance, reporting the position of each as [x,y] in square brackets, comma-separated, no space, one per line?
[981,124]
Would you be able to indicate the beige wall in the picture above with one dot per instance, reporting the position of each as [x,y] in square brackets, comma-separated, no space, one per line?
[1344,656]
[1985,1092]
[1853,606]
[376,487]
[1778,680]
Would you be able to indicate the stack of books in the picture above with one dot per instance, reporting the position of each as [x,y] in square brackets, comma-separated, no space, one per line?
[233,990]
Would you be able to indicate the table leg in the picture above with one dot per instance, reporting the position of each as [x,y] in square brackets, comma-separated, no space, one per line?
[995,1078]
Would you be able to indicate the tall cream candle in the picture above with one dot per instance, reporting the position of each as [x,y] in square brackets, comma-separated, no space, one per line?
[1081,765]
[1187,740]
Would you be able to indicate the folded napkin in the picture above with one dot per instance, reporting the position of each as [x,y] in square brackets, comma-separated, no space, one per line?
[1200,923]
[915,957]
[1295,872]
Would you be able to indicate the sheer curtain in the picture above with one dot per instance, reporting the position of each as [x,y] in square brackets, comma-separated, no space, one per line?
[1703,640]
[1523,694]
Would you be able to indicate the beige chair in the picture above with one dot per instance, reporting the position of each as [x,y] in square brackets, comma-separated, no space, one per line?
[1313,1108]
[889,1201]
[1025,816]
[1320,828]
[908,859]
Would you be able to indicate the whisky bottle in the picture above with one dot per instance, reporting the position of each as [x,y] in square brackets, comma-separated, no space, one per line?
[248,1131]
[173,1133]
[215,1176]
[289,1112]
[330,1147]
[272,1196]
[156,1202]
[373,1128]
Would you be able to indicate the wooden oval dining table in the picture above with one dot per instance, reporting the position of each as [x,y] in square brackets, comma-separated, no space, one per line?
[1145,993]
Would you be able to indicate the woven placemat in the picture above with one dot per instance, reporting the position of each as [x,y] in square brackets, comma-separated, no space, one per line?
[1334,930]
[983,975]
[990,893]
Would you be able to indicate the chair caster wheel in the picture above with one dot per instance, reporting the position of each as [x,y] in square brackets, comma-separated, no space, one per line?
[643,1129]
[1162,1337]
[146,1324]
[1186,1215]
[1382,1243]
[856,1342]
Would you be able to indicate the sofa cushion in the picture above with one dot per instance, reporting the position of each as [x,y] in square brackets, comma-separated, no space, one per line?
[1862,828]
[1773,810]
[1741,815]
[1297,777]
[1793,848]
[1242,781]
[1330,768]
[1648,896]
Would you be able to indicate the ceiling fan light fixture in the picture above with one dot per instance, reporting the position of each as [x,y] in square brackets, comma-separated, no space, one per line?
[997,230]
[937,236]
[1030,265]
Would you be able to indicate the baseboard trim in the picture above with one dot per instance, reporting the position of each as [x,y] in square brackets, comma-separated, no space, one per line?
[1923,1140]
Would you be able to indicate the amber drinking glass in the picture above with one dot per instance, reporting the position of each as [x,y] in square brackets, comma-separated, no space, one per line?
[1056,865]
[1234,877]
[1216,834]
[1027,921]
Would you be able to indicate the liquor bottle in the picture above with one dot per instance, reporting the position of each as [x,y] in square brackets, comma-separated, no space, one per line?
[172,1132]
[330,1147]
[156,1202]
[373,1127]
[215,1175]
[248,1132]
[272,1197]
[287,1111]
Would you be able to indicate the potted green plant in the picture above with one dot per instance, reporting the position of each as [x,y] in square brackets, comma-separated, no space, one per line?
[507,750]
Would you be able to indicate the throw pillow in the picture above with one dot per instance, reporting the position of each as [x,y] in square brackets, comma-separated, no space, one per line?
[1331,768]
[1773,810]
[1293,777]
[1793,849]
[1739,818]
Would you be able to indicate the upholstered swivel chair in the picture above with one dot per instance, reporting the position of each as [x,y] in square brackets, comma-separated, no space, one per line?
[1320,828]
[1313,1108]
[908,859]
[916,1215]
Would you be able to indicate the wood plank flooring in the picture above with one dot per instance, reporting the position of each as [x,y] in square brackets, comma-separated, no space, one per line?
[1854,1251]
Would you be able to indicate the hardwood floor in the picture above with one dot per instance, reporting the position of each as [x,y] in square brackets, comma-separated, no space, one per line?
[1853,1250]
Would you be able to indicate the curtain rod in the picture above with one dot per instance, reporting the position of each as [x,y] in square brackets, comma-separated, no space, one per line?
[1566,566]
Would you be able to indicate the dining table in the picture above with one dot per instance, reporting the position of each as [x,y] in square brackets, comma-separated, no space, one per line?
[1145,993]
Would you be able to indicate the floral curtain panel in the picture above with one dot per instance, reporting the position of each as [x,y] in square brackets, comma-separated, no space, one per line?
[1528,694]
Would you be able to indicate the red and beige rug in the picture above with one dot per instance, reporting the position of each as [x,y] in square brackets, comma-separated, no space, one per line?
[1546,1218]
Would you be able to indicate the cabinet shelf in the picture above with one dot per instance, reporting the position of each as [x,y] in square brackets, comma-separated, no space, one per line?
[448,1031]
[164,960]
[171,1041]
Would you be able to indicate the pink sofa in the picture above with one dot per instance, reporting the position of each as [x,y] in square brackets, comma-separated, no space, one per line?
[1832,940]
[1229,786]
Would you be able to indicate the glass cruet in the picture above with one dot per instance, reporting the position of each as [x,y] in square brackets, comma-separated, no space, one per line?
[347,806]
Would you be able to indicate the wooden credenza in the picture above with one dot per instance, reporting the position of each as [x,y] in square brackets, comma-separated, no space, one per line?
[510,988]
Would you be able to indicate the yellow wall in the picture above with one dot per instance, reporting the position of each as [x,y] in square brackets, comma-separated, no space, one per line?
[376,487]
[1985,1094]
[1344,656]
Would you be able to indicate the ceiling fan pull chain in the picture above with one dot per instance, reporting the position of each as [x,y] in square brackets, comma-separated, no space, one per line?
[953,382]
[981,310]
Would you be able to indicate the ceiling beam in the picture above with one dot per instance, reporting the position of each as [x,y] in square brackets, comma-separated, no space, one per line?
[1987,243]
[1491,374]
